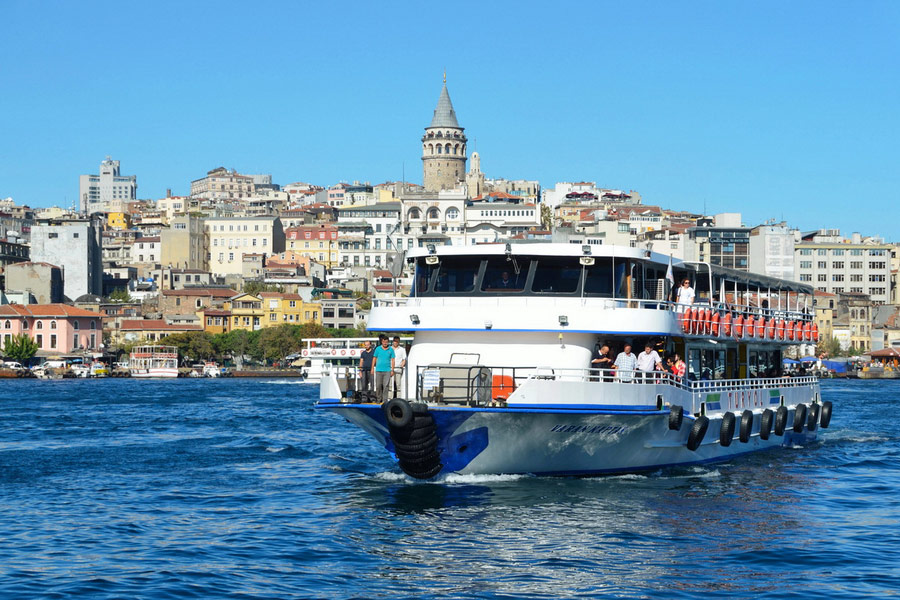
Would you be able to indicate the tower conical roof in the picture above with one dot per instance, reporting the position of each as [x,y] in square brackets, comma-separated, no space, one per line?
[444,115]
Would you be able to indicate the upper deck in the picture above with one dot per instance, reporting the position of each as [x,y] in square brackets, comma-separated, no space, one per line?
[571,288]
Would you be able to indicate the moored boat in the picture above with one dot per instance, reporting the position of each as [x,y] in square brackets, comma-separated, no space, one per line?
[500,378]
[153,361]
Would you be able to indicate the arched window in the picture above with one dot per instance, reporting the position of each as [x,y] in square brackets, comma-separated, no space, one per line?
[414,214]
[52,324]
[439,148]
[434,213]
[7,325]
[76,325]
[93,324]
[452,213]
[456,149]
[447,149]
[24,323]
[430,148]
[39,325]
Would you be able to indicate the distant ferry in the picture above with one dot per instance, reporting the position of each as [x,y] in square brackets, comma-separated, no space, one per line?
[333,356]
[500,379]
[153,361]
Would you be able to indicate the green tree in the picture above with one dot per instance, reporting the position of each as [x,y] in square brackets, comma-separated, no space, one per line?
[830,347]
[192,345]
[120,295]
[20,348]
[237,343]
[255,287]
[546,216]
[275,343]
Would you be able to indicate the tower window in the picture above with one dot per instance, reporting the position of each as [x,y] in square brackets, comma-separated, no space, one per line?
[439,148]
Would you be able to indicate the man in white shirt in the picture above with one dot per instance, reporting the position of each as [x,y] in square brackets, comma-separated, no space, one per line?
[399,365]
[648,360]
[625,363]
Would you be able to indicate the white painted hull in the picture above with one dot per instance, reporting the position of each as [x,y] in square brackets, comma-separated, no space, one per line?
[151,373]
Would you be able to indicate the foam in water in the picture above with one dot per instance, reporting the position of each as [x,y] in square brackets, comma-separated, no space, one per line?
[452,478]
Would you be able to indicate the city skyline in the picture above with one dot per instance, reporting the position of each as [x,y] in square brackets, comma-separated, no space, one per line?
[777,112]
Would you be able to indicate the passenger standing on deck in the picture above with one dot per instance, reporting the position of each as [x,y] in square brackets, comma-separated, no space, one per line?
[679,366]
[383,368]
[686,293]
[365,367]
[399,365]
[648,360]
[625,363]
[600,360]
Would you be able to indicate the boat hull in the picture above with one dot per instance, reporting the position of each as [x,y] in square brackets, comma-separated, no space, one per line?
[568,442]
[154,373]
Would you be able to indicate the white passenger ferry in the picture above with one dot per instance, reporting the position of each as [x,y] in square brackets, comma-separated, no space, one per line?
[500,379]
[153,361]
[339,356]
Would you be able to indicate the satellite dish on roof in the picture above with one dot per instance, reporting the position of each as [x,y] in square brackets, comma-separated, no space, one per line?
[395,263]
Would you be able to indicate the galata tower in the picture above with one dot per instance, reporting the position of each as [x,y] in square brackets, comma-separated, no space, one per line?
[443,147]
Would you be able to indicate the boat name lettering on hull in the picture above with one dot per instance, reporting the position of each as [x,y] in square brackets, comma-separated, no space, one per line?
[588,429]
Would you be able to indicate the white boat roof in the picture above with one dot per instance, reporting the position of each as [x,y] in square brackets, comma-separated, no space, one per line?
[545,249]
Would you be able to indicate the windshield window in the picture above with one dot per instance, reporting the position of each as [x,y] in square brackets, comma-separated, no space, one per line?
[599,279]
[457,274]
[556,276]
[501,275]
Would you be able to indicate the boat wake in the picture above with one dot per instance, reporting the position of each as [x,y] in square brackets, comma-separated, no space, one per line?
[451,479]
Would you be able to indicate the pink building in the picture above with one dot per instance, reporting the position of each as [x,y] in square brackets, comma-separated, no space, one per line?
[57,328]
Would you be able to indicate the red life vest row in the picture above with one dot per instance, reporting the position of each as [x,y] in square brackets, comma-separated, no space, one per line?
[706,321]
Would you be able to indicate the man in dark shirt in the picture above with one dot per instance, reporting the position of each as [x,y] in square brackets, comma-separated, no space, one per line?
[365,367]
[601,359]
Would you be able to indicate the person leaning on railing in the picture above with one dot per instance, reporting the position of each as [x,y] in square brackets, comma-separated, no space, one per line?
[648,361]
[600,360]
[625,363]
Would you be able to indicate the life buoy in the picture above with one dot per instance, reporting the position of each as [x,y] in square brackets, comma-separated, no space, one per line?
[707,322]
[334,352]
[698,432]
[714,324]
[305,353]
[826,414]
[726,324]
[765,424]
[685,318]
[746,426]
[815,333]
[799,417]
[739,326]
[343,352]
[806,331]
[726,430]
[789,330]
[699,317]
[760,327]
[749,327]
[779,329]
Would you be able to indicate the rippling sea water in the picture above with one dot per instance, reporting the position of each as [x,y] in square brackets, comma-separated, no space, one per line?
[241,489]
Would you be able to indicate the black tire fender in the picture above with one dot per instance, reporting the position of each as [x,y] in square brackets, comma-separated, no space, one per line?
[781,417]
[746,426]
[676,416]
[813,419]
[398,413]
[726,430]
[765,423]
[826,415]
[799,417]
[698,432]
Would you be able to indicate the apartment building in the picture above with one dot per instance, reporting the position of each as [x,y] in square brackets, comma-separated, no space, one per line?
[229,238]
[837,265]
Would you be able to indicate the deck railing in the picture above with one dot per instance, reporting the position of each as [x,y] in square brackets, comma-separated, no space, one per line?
[483,385]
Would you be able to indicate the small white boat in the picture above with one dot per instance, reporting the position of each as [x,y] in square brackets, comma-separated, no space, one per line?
[340,356]
[153,361]
[500,377]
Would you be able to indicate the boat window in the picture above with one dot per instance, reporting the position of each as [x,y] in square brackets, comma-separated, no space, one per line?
[504,276]
[598,279]
[719,372]
[707,364]
[753,363]
[556,276]
[424,274]
[693,371]
[456,274]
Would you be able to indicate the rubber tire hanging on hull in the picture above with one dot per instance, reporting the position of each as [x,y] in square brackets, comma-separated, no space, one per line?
[826,415]
[781,416]
[746,426]
[726,431]
[799,417]
[676,416]
[414,435]
[813,418]
[698,432]
[765,423]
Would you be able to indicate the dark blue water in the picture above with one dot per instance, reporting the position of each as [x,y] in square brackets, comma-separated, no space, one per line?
[241,489]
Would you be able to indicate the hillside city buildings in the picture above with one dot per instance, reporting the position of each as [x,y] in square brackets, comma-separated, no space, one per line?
[240,251]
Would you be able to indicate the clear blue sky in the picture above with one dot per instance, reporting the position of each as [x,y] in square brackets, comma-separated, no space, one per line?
[774,109]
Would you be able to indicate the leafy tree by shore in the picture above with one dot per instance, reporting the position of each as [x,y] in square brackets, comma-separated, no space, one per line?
[20,348]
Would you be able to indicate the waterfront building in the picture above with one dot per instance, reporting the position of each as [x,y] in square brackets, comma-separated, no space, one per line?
[586,192]
[222,184]
[74,245]
[183,243]
[56,328]
[228,239]
[317,242]
[149,330]
[772,251]
[444,148]
[41,281]
[215,320]
[834,264]
[281,308]
[191,299]
[108,191]
[246,312]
